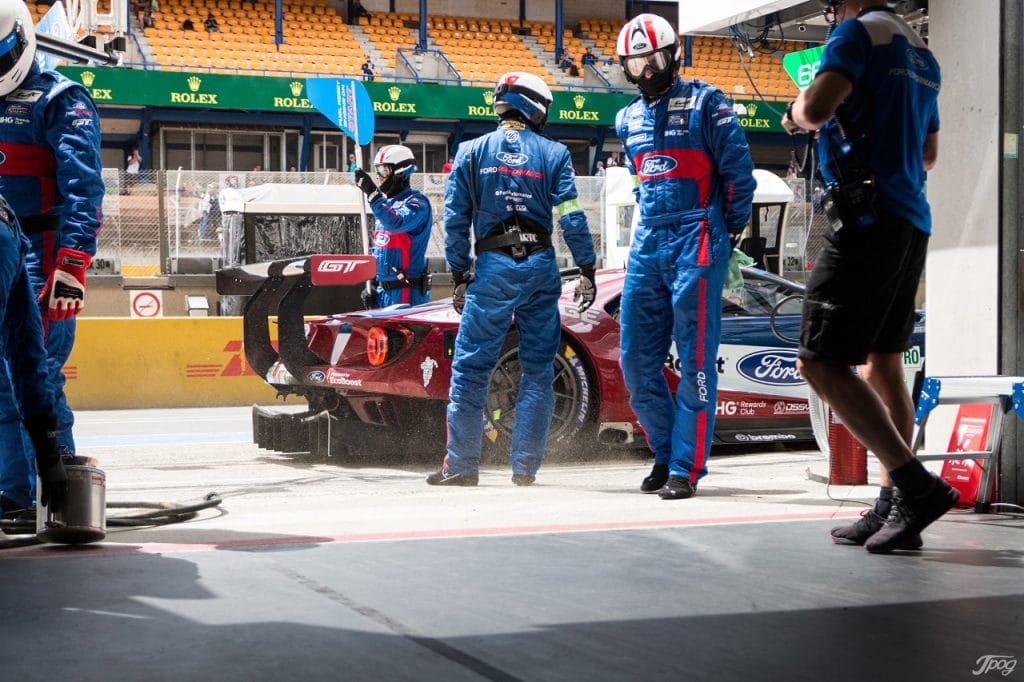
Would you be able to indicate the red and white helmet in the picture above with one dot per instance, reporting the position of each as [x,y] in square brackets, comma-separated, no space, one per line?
[526,93]
[649,42]
[17,44]
[394,165]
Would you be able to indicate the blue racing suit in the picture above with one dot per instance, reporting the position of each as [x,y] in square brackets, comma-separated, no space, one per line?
[50,171]
[512,175]
[696,185]
[400,240]
[21,336]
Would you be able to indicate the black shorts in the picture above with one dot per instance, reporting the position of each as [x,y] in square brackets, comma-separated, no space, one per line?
[860,297]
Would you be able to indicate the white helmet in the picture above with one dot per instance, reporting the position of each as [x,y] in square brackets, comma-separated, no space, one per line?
[525,93]
[394,165]
[649,42]
[17,44]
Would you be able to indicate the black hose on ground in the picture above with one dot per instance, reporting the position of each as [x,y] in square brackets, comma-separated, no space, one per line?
[163,514]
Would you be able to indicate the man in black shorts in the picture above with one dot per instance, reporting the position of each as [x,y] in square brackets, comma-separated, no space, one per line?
[874,100]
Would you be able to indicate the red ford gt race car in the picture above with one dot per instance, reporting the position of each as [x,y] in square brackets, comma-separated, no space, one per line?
[377,381]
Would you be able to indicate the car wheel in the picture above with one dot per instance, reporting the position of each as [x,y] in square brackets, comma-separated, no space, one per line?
[574,402]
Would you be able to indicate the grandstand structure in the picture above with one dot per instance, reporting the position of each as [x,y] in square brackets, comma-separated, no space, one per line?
[209,108]
[317,40]
[233,99]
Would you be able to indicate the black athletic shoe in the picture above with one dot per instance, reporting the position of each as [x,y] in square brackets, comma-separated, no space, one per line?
[523,479]
[677,489]
[655,480]
[869,523]
[445,477]
[10,509]
[909,516]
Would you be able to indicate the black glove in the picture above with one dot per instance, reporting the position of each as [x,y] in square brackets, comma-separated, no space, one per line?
[461,280]
[585,288]
[369,297]
[734,240]
[42,430]
[369,187]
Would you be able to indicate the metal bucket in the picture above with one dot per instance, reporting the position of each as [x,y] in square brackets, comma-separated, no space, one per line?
[83,519]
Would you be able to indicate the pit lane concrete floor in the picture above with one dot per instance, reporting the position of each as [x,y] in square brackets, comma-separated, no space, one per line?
[361,572]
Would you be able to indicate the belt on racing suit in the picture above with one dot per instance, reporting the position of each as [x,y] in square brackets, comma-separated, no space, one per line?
[39,223]
[422,282]
[518,236]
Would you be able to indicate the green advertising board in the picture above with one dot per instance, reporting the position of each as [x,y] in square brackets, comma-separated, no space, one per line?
[111,85]
[759,117]
[802,66]
[133,87]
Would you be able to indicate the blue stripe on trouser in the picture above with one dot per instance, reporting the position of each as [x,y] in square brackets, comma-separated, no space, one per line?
[529,290]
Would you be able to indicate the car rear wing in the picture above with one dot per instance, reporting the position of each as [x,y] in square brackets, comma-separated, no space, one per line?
[280,288]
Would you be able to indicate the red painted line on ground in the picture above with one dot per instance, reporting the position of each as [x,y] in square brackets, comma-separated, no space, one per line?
[59,551]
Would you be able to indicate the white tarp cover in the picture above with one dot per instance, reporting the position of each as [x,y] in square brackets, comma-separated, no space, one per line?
[286,199]
[771,189]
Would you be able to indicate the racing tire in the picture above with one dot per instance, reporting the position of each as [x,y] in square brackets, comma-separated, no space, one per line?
[572,418]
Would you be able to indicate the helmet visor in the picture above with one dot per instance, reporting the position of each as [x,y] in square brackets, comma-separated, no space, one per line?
[383,170]
[658,61]
[12,46]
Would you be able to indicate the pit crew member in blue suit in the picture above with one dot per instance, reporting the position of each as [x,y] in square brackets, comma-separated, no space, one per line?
[402,232]
[503,188]
[695,190]
[50,172]
[29,399]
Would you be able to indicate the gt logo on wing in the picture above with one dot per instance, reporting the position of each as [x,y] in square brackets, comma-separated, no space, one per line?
[342,266]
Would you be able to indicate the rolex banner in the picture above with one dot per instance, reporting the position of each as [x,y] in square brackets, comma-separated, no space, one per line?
[133,87]
[111,85]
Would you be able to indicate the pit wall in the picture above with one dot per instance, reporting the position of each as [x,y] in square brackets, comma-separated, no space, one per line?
[122,363]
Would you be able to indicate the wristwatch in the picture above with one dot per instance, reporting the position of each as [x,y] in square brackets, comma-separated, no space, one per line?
[789,113]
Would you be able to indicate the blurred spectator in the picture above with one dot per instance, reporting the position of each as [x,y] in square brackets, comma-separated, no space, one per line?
[356,10]
[292,169]
[447,168]
[353,165]
[572,70]
[258,168]
[588,57]
[206,203]
[565,61]
[147,19]
[211,23]
[600,169]
[187,25]
[367,69]
[132,169]
[612,160]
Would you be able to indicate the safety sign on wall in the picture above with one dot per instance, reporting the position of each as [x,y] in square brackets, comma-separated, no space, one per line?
[146,303]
